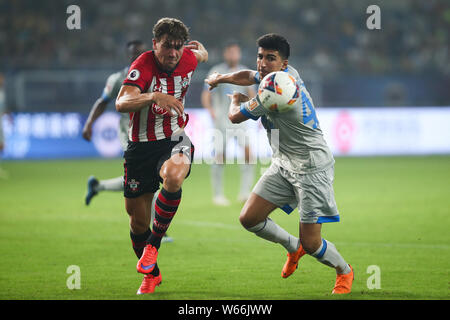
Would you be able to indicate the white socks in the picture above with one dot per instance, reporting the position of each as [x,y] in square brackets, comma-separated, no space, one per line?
[217,179]
[328,255]
[270,231]
[114,184]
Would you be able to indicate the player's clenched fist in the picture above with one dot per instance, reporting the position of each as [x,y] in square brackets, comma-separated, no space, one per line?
[168,103]
[212,80]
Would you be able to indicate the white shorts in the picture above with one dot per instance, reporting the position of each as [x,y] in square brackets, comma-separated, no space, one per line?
[312,193]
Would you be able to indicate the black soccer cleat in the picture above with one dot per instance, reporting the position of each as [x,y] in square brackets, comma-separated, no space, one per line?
[92,184]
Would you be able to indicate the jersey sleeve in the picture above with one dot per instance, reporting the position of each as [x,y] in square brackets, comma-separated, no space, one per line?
[191,58]
[253,109]
[108,91]
[140,72]
[257,78]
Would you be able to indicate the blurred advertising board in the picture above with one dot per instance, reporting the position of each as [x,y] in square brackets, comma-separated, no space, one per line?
[348,132]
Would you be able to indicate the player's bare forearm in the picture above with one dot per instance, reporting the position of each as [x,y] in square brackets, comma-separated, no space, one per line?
[130,99]
[97,110]
[240,78]
[234,113]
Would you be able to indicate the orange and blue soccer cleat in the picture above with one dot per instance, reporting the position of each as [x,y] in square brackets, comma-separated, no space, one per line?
[344,282]
[292,262]
[149,283]
[147,262]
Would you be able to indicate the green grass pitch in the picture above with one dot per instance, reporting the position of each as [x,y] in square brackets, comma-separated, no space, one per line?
[395,214]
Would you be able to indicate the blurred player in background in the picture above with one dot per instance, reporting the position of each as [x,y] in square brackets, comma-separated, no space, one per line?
[217,102]
[158,150]
[113,83]
[302,170]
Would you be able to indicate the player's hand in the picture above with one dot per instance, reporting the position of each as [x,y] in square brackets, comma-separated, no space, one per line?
[87,132]
[212,80]
[199,50]
[168,103]
[194,45]
[238,97]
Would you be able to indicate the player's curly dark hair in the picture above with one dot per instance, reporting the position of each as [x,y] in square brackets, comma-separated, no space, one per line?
[276,42]
[175,30]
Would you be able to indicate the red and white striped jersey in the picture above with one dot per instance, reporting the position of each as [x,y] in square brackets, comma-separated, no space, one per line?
[153,122]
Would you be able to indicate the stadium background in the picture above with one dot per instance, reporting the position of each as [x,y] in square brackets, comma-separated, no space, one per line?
[391,83]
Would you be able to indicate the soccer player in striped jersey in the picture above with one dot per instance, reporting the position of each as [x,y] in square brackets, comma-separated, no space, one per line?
[159,150]
[302,170]
[134,49]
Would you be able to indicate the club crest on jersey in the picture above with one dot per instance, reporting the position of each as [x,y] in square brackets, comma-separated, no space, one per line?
[252,104]
[185,83]
[133,185]
[133,75]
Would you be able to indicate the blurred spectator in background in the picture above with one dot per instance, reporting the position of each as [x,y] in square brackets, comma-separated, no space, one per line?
[330,38]
[414,35]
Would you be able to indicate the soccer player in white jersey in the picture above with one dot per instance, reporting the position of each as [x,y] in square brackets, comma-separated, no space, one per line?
[217,102]
[302,170]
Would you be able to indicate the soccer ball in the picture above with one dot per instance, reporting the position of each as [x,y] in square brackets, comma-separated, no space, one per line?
[278,91]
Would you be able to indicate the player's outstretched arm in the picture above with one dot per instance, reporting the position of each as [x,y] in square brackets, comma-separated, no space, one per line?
[199,50]
[240,78]
[130,99]
[234,113]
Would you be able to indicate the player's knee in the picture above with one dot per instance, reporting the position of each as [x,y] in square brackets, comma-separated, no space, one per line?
[246,221]
[310,245]
[173,181]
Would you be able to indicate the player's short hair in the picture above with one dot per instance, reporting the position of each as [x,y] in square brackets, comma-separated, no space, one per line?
[276,42]
[230,43]
[175,30]
[134,43]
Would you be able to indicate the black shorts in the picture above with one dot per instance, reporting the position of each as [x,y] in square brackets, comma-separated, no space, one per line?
[143,161]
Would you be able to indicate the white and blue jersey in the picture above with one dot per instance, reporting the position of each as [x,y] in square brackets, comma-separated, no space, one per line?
[110,92]
[295,136]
